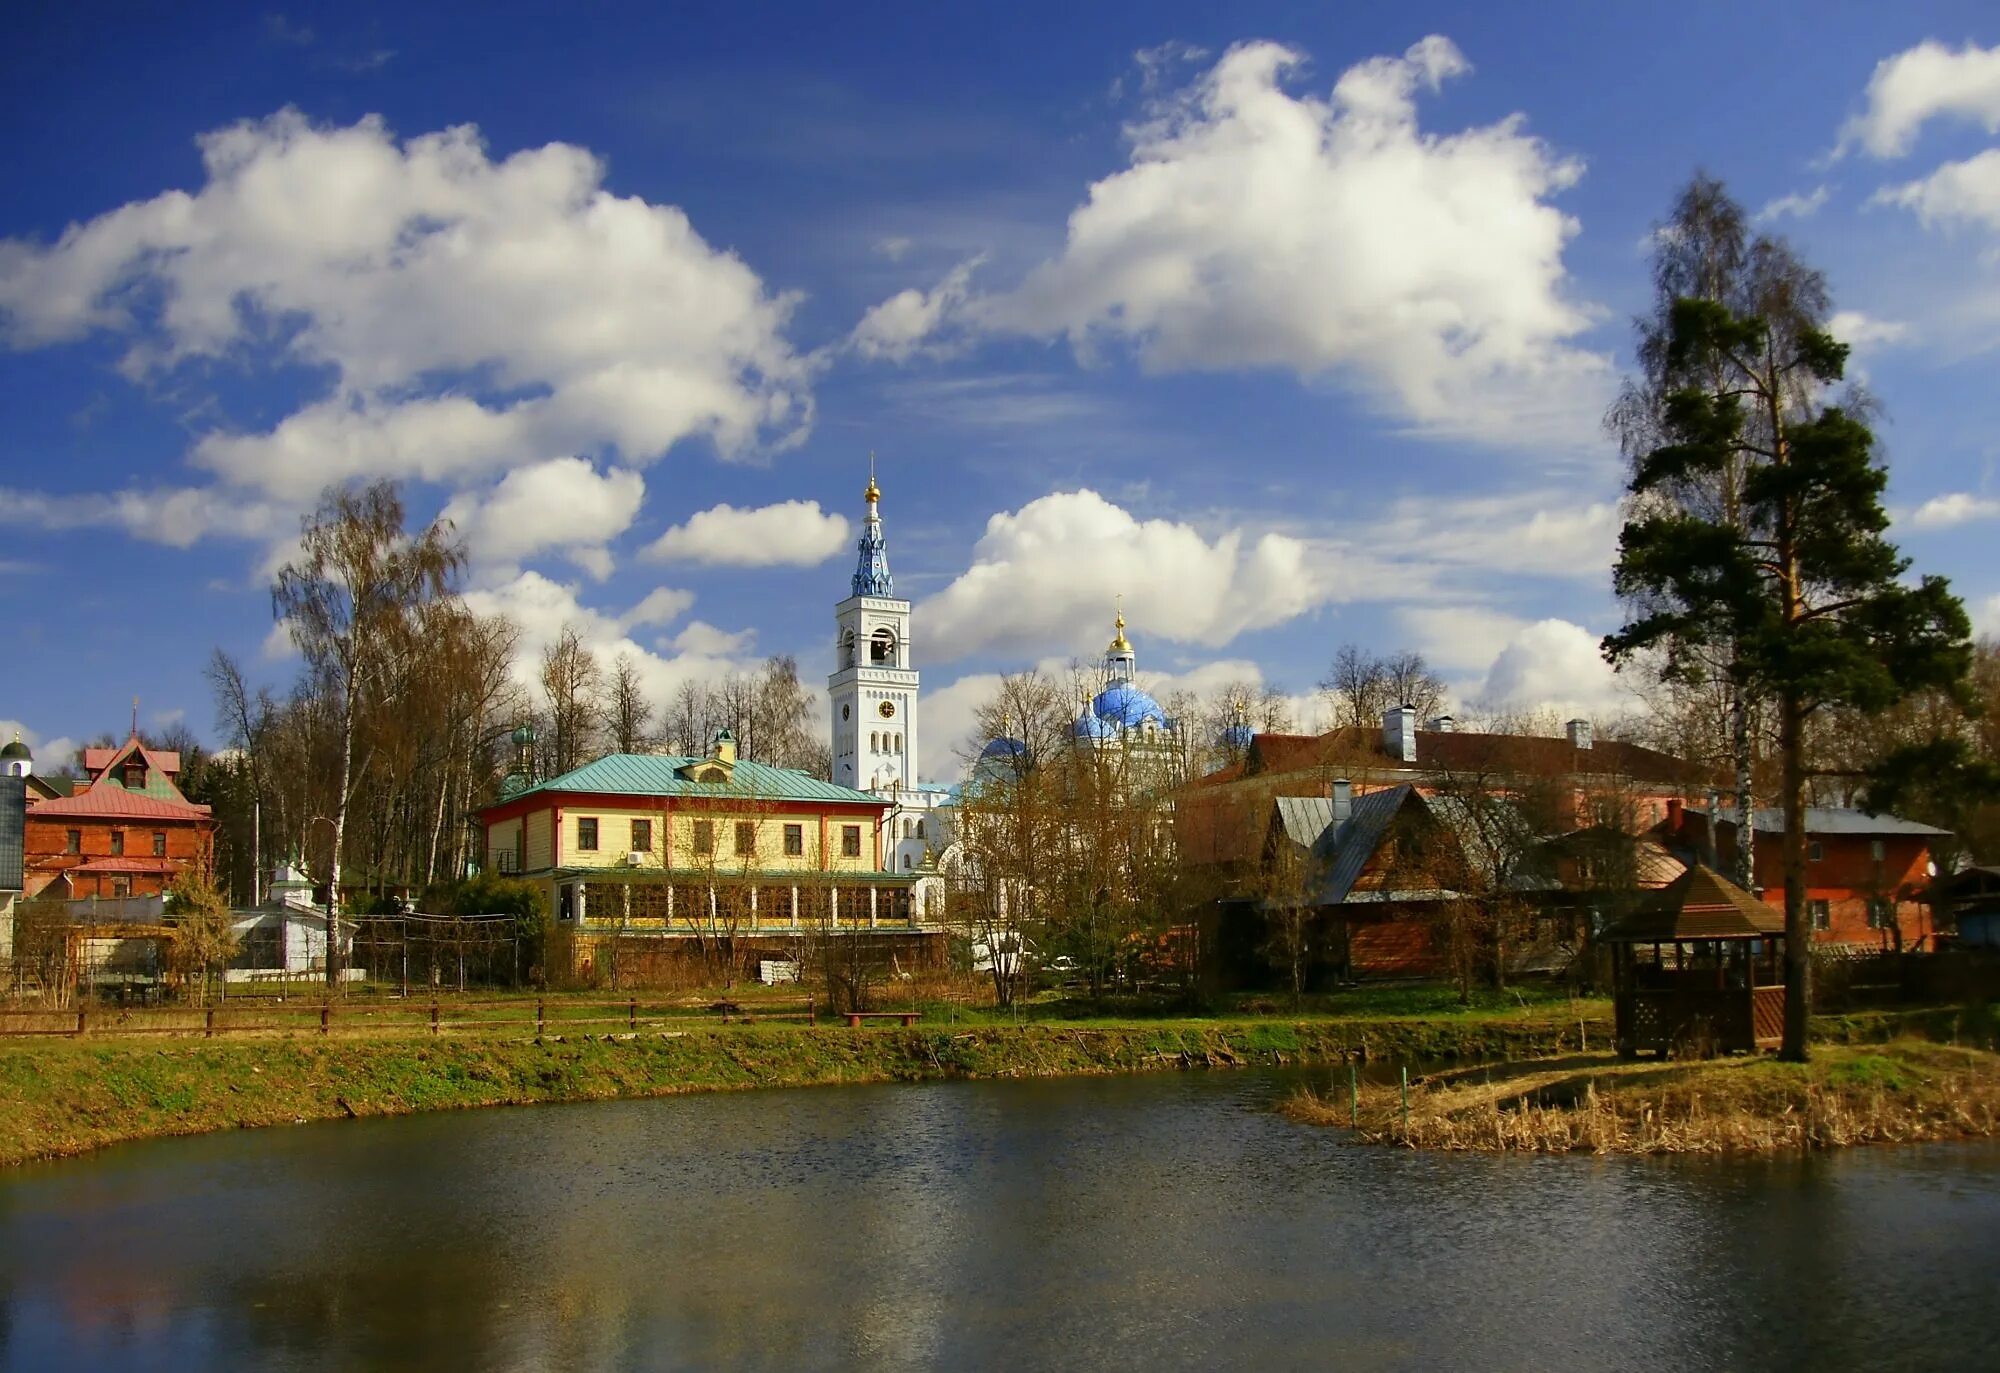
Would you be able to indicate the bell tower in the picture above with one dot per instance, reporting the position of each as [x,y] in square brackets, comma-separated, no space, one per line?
[873,688]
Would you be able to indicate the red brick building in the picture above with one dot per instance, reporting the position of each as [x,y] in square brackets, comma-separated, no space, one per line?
[1867,876]
[127,831]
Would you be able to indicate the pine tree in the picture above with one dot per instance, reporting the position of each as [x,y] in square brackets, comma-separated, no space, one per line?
[1801,583]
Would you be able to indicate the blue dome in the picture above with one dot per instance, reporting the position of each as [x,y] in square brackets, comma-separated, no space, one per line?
[1003,747]
[1121,703]
[1237,737]
[1089,726]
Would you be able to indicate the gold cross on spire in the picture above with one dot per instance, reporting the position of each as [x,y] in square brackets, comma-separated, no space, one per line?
[874,492]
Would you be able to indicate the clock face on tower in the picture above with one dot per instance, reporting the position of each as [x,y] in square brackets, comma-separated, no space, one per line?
[888,709]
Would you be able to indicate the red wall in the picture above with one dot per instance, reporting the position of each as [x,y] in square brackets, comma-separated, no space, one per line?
[1846,876]
[47,855]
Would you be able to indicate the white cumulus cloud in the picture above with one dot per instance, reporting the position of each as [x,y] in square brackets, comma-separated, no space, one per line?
[1958,192]
[1047,573]
[1954,507]
[541,608]
[563,504]
[788,534]
[1557,666]
[1929,81]
[473,314]
[1331,237]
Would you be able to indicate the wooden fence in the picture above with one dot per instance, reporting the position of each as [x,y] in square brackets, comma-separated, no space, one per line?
[531,1016]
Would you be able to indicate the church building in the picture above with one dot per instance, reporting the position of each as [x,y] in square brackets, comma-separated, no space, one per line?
[873,694]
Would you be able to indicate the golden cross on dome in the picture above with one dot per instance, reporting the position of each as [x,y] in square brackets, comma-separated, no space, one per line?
[874,492]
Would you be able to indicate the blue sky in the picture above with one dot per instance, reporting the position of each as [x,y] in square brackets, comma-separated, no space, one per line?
[1291,323]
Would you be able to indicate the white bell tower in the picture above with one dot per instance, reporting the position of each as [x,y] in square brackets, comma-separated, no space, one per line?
[874,684]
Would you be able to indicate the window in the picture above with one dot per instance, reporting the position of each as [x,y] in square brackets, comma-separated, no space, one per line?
[135,776]
[159,844]
[1881,913]
[72,841]
[906,862]
[704,837]
[882,647]
[121,887]
[909,827]
[1822,913]
[1814,853]
[795,840]
[850,841]
[1877,850]
[712,775]
[874,742]
[920,829]
[642,836]
[586,833]
[746,838]
[117,843]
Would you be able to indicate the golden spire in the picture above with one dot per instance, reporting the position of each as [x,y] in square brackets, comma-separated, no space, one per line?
[874,492]
[1119,643]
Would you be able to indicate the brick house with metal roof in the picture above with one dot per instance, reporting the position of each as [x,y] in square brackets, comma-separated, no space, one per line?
[714,850]
[1868,877]
[127,831]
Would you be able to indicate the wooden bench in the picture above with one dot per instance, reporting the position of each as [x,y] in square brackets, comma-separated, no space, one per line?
[854,1018]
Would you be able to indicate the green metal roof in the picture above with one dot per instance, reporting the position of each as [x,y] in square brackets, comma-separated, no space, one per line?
[651,774]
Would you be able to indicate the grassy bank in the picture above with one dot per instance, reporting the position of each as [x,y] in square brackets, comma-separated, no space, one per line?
[1902,1091]
[61,1096]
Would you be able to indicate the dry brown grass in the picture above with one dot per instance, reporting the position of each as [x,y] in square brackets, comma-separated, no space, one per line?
[1900,1092]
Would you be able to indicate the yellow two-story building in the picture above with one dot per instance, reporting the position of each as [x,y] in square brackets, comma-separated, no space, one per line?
[731,855]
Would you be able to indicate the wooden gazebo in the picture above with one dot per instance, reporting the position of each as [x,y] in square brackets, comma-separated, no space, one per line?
[1699,966]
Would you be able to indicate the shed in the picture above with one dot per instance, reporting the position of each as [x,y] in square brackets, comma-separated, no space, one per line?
[1698,966]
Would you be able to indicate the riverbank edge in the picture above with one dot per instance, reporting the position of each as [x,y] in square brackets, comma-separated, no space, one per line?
[1902,1078]
[59,1098]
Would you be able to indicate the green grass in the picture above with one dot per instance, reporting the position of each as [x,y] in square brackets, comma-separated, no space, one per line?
[65,1096]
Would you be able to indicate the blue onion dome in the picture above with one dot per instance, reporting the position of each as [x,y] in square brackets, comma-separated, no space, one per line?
[1237,737]
[1089,726]
[1124,704]
[1002,748]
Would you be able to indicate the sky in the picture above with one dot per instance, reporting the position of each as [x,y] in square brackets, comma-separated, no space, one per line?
[1294,325]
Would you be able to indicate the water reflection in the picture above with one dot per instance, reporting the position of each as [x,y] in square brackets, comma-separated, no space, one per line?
[1158,1222]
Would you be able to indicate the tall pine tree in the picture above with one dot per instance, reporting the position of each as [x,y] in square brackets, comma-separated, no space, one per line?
[1800,584]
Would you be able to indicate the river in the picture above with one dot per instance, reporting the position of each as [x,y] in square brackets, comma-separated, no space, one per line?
[1156,1222]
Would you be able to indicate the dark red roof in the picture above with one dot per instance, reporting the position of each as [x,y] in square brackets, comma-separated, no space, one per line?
[1361,751]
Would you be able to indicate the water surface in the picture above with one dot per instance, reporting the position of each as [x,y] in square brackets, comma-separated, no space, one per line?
[1157,1222]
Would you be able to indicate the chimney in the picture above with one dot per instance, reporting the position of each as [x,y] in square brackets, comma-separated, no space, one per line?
[1443,724]
[1399,733]
[725,746]
[1676,812]
[1343,799]
[1579,733]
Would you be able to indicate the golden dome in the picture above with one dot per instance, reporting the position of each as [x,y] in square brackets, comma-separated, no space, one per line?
[873,493]
[1119,643]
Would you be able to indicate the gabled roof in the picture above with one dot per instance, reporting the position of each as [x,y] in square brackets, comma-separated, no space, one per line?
[105,766]
[649,774]
[1700,904]
[1344,850]
[108,800]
